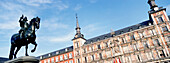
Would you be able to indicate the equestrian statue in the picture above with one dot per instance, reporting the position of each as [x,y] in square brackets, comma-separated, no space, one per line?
[25,36]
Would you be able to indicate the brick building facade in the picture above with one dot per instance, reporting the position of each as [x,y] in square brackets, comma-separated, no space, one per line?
[148,41]
[65,55]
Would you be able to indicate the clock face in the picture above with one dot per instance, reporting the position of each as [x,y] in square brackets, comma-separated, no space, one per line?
[156,8]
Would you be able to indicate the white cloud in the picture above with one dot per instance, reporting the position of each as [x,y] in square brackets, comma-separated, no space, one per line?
[60,5]
[57,39]
[35,2]
[12,12]
[11,6]
[78,6]
[9,25]
[65,38]
[52,24]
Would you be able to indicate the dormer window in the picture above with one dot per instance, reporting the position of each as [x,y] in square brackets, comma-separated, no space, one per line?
[49,55]
[130,29]
[57,52]
[105,37]
[150,24]
[121,32]
[98,39]
[113,35]
[40,57]
[140,27]
[66,49]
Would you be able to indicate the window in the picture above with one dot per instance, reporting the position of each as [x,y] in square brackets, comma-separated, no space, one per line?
[167,38]
[100,54]
[93,57]
[122,40]
[66,62]
[84,50]
[70,55]
[85,59]
[57,52]
[61,57]
[77,44]
[154,32]
[56,59]
[52,60]
[121,32]
[132,37]
[150,23]
[135,47]
[141,35]
[45,61]
[138,58]
[108,54]
[99,46]
[164,29]
[160,19]
[77,52]
[98,39]
[145,45]
[162,54]
[156,42]
[65,56]
[126,49]
[71,61]
[106,44]
[78,61]
[48,60]
[130,29]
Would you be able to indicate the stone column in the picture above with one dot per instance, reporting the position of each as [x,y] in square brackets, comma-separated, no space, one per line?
[24,59]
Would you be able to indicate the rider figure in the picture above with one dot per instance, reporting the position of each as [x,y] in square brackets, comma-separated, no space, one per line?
[23,24]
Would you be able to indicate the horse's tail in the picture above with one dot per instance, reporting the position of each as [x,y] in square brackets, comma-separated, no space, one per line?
[11,51]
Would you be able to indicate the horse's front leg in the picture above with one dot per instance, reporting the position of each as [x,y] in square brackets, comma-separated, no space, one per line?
[34,43]
[26,48]
[18,48]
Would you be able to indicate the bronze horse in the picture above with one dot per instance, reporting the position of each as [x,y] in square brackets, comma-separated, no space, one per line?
[17,42]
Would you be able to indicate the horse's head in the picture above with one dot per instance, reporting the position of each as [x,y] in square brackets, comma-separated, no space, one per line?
[37,22]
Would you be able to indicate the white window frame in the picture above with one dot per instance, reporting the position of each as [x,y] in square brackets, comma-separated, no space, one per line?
[61,57]
[71,61]
[65,56]
[56,59]
[70,55]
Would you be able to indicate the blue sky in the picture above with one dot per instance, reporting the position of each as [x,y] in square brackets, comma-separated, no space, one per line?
[96,17]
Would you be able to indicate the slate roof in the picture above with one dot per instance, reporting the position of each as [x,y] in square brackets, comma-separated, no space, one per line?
[61,51]
[121,31]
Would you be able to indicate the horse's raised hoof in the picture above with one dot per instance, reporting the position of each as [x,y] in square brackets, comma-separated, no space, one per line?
[32,50]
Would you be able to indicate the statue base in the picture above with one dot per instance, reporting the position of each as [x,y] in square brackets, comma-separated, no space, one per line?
[24,59]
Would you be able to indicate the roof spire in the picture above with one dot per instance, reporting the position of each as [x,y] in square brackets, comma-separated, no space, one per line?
[77,24]
[78,33]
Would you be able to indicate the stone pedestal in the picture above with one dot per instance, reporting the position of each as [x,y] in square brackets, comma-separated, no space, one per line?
[24,59]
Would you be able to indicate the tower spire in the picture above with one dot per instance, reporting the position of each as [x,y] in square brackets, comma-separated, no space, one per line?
[78,33]
[77,26]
